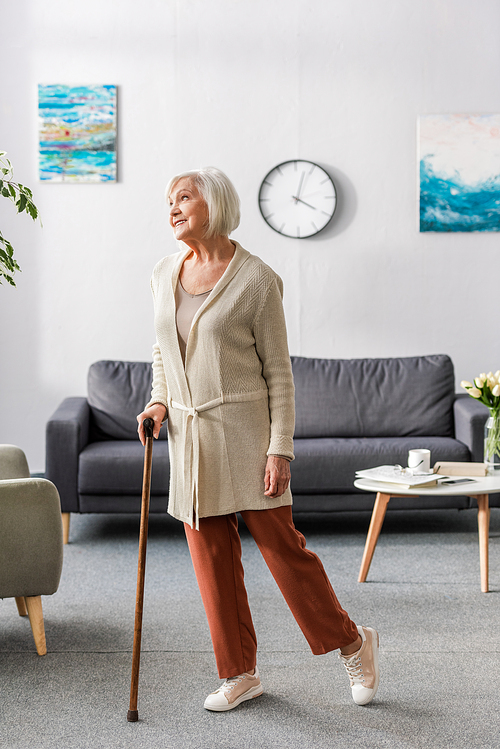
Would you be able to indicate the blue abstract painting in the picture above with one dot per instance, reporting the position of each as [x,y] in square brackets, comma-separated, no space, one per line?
[459,159]
[77,133]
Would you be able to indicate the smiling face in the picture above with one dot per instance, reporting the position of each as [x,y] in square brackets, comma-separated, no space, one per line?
[188,211]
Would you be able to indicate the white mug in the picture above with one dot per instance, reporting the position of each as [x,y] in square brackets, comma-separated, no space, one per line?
[419,460]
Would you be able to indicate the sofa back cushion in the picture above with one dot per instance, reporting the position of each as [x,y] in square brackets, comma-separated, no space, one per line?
[374,397]
[333,397]
[117,392]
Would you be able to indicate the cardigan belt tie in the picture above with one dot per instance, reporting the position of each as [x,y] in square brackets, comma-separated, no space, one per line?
[191,451]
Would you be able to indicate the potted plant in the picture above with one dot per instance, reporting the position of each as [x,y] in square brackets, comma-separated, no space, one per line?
[22,198]
[486,388]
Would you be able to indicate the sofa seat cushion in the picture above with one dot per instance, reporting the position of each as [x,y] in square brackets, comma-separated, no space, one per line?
[328,465]
[116,467]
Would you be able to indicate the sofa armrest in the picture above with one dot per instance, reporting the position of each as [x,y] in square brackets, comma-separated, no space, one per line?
[67,434]
[470,417]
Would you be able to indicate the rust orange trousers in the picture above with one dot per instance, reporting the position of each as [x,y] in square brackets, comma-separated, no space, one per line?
[216,553]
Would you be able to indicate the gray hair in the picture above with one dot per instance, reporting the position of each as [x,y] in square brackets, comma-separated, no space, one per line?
[219,194]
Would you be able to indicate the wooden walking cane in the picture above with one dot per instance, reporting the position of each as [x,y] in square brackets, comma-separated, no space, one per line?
[133,714]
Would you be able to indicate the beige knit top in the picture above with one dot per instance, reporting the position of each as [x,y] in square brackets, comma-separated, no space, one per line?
[187,305]
[231,403]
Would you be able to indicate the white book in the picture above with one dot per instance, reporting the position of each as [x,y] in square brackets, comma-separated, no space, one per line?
[397,475]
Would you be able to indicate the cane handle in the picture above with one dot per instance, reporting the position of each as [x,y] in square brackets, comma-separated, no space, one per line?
[148,425]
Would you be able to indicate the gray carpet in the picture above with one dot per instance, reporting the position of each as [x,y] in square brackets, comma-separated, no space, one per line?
[440,644]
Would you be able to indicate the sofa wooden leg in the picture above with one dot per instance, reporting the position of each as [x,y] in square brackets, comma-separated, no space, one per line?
[65,523]
[21,606]
[35,613]
[378,515]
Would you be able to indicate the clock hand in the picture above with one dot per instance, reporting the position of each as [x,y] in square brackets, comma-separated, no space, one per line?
[300,186]
[303,201]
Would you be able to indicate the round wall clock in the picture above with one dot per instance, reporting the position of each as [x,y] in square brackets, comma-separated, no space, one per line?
[297,198]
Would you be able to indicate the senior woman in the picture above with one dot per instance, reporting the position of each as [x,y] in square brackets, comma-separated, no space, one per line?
[222,375]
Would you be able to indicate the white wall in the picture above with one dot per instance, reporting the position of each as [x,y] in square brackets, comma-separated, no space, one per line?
[243,86]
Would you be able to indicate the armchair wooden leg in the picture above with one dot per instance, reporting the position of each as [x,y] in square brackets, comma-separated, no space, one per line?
[65,516]
[35,613]
[378,515]
[21,606]
[483,523]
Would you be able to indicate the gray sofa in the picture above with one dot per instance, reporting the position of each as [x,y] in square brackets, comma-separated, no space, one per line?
[350,414]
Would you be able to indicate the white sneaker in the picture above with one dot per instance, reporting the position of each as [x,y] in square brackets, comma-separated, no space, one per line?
[362,667]
[234,691]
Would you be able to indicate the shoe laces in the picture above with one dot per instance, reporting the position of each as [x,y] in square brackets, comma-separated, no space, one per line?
[230,684]
[354,668]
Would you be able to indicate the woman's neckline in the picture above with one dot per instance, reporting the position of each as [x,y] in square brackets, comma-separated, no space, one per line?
[193,296]
[203,293]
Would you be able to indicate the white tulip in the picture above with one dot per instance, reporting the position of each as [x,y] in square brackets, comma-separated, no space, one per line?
[497,374]
[483,375]
[475,393]
[490,375]
[496,391]
[466,384]
[491,383]
[479,381]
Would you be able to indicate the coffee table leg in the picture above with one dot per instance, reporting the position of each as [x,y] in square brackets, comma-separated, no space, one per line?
[378,515]
[483,524]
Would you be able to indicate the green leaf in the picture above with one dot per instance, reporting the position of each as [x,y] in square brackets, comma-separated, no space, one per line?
[8,251]
[5,192]
[32,210]
[12,190]
[9,279]
[21,203]
[8,264]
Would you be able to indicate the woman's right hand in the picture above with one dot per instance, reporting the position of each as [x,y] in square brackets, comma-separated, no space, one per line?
[157,413]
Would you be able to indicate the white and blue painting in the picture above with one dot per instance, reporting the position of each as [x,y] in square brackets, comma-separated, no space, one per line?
[77,133]
[459,159]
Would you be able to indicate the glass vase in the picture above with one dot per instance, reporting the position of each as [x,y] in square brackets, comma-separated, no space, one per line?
[492,442]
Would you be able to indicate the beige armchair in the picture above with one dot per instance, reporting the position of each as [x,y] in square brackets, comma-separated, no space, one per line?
[31,547]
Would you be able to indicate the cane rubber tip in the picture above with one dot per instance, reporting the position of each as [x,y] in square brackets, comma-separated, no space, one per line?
[133,716]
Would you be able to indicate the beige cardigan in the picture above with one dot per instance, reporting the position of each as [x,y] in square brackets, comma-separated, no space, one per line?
[233,403]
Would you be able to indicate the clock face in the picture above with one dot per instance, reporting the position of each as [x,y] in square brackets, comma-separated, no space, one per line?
[297,198]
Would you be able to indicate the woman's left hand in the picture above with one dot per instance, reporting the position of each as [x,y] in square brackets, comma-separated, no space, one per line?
[277,477]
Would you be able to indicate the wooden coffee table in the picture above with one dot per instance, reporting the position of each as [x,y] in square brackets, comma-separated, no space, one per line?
[481,489]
